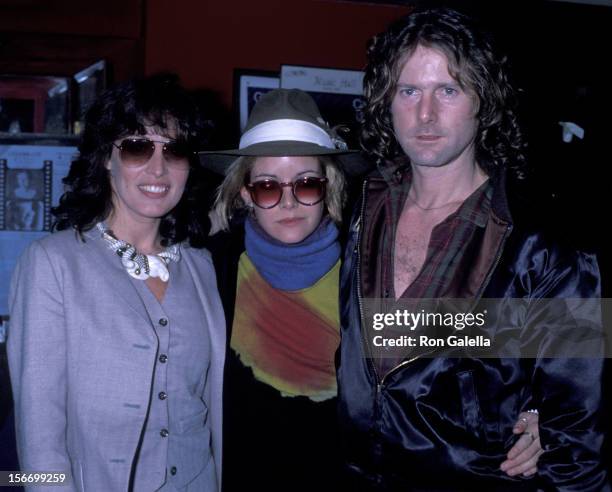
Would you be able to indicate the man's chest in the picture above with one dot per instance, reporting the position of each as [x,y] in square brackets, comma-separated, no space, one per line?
[411,246]
[408,259]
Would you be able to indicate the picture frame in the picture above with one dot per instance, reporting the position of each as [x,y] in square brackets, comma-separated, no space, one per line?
[249,86]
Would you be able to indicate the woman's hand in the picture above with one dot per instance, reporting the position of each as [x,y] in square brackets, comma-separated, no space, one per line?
[524,455]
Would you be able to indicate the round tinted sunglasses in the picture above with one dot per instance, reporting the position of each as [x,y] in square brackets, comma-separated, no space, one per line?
[136,151]
[268,193]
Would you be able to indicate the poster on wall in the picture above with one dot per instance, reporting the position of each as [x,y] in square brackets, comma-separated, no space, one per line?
[25,201]
[30,185]
[337,92]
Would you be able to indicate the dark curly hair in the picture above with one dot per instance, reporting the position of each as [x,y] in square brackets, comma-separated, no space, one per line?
[160,102]
[475,65]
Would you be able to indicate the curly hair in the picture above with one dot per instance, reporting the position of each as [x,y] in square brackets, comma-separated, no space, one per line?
[475,65]
[126,109]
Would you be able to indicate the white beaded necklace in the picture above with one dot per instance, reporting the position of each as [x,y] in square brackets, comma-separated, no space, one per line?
[139,265]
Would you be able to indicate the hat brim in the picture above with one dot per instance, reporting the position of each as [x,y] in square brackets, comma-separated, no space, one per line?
[352,161]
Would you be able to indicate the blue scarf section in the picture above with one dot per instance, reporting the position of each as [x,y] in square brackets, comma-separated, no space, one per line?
[293,266]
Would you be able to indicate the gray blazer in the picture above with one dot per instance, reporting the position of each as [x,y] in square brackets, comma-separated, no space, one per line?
[81,353]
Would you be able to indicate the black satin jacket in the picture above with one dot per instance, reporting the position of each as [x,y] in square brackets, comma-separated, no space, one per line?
[446,423]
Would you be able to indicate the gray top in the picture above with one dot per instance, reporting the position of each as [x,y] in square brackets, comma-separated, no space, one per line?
[176,439]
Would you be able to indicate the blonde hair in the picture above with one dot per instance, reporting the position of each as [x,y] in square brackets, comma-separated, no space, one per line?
[228,199]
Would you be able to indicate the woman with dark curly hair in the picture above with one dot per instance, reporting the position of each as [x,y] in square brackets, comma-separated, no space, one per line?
[117,336]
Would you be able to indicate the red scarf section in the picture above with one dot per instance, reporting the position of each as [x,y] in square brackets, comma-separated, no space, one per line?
[288,338]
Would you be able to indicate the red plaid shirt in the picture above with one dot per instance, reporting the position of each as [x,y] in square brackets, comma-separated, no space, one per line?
[446,248]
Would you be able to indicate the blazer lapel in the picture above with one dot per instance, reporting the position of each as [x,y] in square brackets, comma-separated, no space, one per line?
[114,275]
[212,314]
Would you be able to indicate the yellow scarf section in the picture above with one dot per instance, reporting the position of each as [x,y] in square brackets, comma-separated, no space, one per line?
[288,339]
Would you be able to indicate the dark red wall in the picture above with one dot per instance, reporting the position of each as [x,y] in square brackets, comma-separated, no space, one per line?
[203,41]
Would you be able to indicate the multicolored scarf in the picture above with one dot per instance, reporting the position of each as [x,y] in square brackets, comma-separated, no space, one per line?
[288,337]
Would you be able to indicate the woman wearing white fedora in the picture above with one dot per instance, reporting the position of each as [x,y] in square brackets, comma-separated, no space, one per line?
[281,294]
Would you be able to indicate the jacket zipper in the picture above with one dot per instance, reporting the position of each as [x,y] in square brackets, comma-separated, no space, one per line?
[358,277]
[379,381]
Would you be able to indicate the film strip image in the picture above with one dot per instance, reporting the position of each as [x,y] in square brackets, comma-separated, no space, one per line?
[25,198]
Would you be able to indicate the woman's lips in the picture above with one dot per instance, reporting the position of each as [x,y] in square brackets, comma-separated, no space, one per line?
[291,221]
[154,191]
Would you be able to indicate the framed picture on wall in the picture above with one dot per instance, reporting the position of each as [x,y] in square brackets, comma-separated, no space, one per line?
[249,86]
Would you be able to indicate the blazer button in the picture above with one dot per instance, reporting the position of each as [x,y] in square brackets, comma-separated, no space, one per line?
[163,321]
[163,358]
[162,395]
[173,470]
[164,433]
